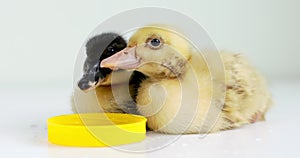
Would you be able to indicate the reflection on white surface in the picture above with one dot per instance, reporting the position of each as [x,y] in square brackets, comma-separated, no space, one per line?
[23,129]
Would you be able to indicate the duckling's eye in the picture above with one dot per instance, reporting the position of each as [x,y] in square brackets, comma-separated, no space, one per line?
[154,43]
[111,49]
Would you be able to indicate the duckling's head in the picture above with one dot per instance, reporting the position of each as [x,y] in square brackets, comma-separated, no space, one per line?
[153,50]
[98,48]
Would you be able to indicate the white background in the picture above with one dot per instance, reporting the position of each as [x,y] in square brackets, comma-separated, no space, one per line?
[40,39]
[39,42]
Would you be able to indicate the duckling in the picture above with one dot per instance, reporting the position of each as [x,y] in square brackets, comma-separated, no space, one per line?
[177,97]
[100,79]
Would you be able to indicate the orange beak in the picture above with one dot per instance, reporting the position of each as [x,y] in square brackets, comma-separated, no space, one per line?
[124,59]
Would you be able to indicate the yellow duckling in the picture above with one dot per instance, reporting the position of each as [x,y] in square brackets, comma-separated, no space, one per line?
[177,96]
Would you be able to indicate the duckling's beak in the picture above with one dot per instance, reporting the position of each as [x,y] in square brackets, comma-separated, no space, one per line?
[124,59]
[91,78]
[86,85]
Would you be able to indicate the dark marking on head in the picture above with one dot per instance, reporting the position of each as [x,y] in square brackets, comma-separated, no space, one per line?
[175,65]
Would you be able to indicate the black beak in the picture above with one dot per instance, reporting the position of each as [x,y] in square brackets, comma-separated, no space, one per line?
[91,78]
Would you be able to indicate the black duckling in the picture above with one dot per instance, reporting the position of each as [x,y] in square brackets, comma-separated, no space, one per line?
[99,79]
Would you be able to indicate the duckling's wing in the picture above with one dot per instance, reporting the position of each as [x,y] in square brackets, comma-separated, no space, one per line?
[247,95]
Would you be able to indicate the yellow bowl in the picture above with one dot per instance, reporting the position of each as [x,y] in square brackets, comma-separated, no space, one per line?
[96,129]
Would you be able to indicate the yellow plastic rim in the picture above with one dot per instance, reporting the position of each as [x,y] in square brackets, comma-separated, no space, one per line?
[96,129]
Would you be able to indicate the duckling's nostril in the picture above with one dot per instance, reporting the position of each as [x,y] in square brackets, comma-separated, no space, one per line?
[125,52]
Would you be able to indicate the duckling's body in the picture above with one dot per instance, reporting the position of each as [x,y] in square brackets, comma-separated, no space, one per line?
[180,95]
[246,100]
[117,95]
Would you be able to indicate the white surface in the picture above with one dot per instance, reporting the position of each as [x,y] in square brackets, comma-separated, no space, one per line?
[40,40]
[35,34]
[23,129]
